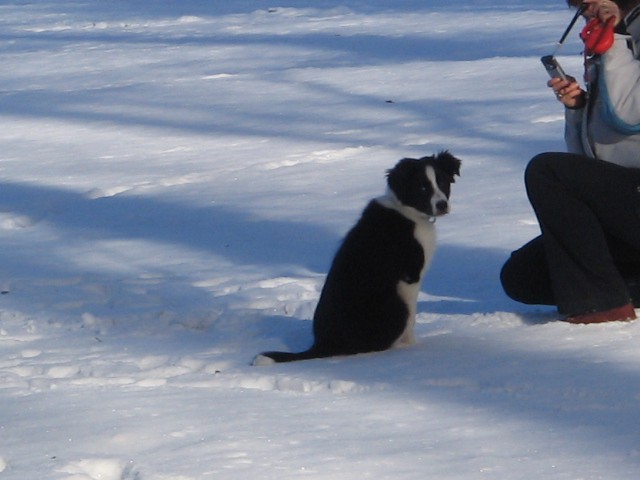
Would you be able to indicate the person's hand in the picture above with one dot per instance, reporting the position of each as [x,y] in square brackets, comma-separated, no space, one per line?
[568,92]
[598,34]
[604,10]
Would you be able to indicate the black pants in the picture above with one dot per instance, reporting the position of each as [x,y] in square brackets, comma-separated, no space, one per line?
[588,256]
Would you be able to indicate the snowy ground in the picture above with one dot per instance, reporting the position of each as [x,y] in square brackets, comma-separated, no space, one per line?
[175,177]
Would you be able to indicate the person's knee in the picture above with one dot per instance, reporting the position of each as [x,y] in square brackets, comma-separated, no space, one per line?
[538,167]
[510,281]
[524,277]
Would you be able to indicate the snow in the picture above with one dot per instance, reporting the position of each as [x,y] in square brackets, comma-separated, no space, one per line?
[175,177]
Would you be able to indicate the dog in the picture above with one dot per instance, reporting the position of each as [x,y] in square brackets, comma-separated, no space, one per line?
[369,299]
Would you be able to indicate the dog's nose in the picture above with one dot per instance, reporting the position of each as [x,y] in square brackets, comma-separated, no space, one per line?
[442,207]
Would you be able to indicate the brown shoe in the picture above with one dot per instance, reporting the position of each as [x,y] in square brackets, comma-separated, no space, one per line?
[620,314]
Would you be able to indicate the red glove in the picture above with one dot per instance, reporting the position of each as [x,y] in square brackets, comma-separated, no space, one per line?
[598,35]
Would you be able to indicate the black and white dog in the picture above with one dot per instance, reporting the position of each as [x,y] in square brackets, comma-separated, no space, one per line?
[369,299]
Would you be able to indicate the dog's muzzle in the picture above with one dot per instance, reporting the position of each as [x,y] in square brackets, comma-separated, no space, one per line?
[441,207]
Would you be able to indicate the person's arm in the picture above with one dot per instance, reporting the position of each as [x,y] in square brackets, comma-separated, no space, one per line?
[620,86]
[570,94]
[573,130]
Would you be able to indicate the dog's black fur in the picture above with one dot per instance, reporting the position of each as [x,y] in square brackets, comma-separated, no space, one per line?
[369,298]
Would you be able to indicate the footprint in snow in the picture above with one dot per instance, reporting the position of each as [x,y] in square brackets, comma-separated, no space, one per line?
[101,469]
[12,221]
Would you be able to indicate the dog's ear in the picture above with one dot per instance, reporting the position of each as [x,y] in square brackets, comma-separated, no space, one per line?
[448,163]
[401,173]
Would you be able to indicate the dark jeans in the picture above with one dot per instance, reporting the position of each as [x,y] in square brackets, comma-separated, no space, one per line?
[588,256]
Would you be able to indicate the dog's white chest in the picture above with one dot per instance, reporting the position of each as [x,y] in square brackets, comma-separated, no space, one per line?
[425,235]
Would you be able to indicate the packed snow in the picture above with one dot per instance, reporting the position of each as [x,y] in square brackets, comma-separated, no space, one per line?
[175,178]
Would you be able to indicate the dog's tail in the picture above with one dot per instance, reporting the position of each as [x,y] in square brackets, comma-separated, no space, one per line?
[269,358]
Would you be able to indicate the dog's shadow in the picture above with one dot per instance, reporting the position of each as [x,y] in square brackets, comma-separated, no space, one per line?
[464,279]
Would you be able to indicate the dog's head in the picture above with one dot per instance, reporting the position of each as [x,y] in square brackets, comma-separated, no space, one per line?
[425,183]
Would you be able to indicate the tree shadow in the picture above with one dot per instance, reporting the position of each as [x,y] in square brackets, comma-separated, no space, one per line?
[225,232]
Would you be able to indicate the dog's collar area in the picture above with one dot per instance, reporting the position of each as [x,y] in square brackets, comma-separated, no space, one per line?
[390,200]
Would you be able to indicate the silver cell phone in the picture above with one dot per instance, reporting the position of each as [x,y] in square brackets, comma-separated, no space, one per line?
[553,67]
